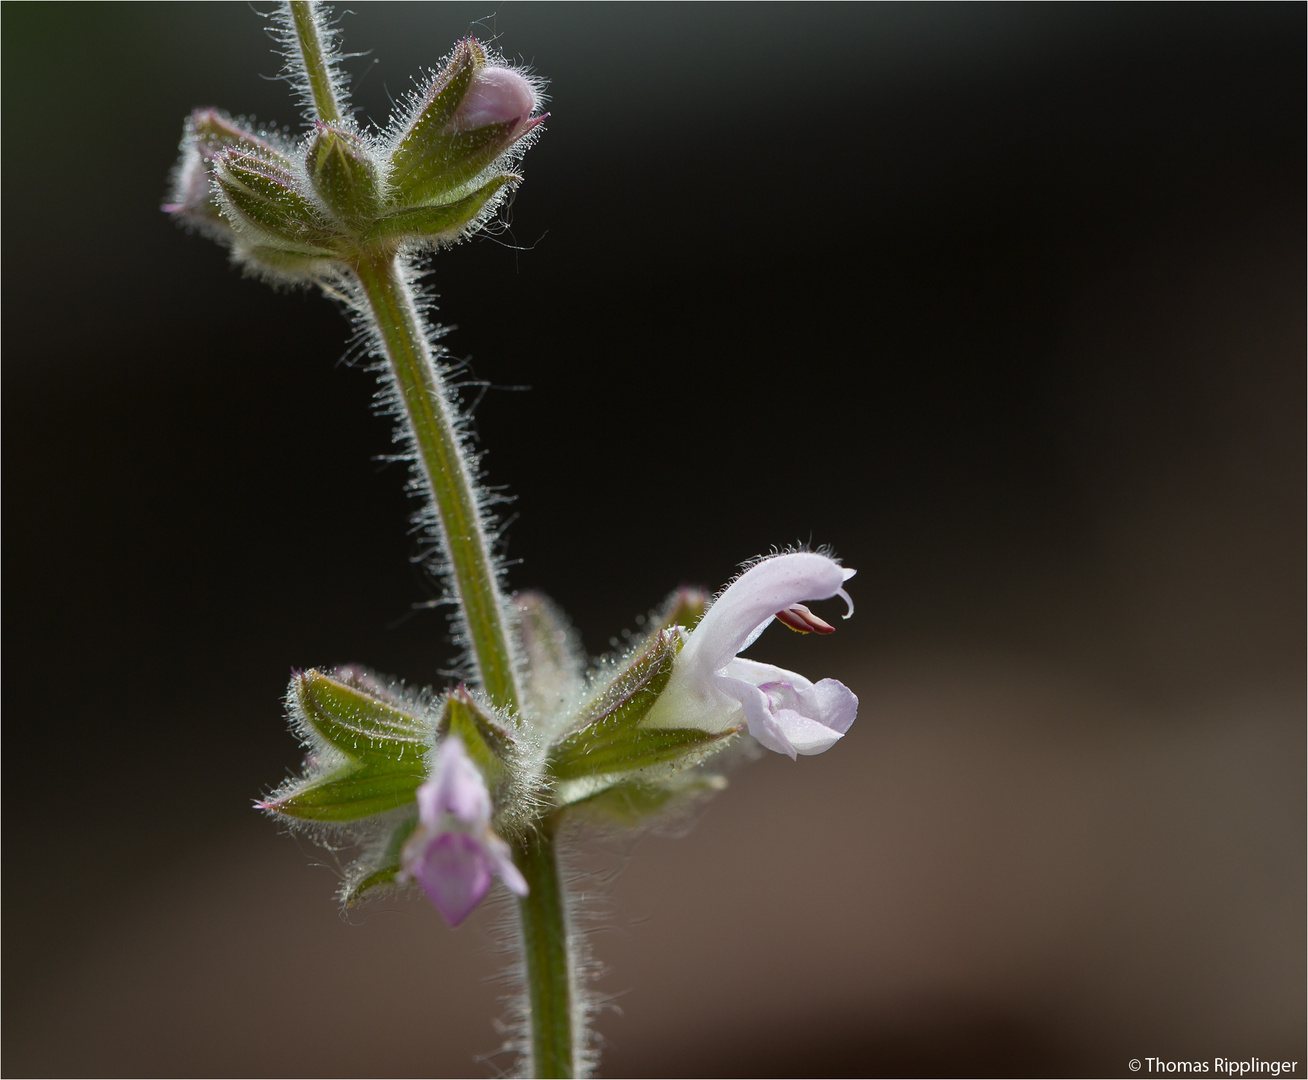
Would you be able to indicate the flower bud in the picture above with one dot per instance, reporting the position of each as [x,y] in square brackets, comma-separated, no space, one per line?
[496,95]
[206,134]
[472,113]
[343,174]
[265,204]
[191,198]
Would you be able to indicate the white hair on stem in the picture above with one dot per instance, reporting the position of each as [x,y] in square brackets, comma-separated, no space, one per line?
[297,67]
[580,894]
[426,519]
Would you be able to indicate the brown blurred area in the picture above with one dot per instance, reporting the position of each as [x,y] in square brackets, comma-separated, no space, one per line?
[1027,348]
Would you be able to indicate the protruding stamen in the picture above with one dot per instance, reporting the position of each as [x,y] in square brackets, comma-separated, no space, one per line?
[803,621]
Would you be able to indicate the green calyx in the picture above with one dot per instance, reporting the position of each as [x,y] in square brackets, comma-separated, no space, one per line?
[422,139]
[344,175]
[264,201]
[440,221]
[381,866]
[489,743]
[359,722]
[610,742]
[452,161]
[212,131]
[629,804]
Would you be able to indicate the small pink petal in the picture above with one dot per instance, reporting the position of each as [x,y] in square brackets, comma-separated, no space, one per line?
[455,787]
[497,95]
[455,874]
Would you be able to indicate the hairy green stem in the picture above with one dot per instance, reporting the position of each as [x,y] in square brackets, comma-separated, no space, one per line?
[545,948]
[441,464]
[316,67]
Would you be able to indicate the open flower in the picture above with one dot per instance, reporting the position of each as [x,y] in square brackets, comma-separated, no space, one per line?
[453,852]
[711,686]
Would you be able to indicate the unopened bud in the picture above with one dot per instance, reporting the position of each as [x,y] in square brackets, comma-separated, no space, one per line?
[497,95]
[192,198]
[343,174]
[470,115]
[261,197]
[207,133]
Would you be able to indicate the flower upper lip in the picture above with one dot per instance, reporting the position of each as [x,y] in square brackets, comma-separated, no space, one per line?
[744,610]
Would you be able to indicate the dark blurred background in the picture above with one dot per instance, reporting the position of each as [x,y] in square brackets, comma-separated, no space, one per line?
[1006,303]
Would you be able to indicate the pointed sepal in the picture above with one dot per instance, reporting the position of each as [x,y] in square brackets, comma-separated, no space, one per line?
[348,793]
[211,131]
[367,748]
[355,714]
[440,222]
[488,741]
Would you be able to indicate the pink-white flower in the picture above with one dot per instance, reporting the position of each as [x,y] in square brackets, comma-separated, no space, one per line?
[453,853]
[712,688]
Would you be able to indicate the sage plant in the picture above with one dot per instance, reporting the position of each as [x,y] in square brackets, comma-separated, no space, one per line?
[448,791]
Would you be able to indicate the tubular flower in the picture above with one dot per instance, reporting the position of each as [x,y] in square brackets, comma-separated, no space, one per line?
[711,685]
[453,852]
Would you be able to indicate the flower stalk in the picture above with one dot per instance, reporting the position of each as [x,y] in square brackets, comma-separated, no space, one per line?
[551,995]
[313,58]
[426,411]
